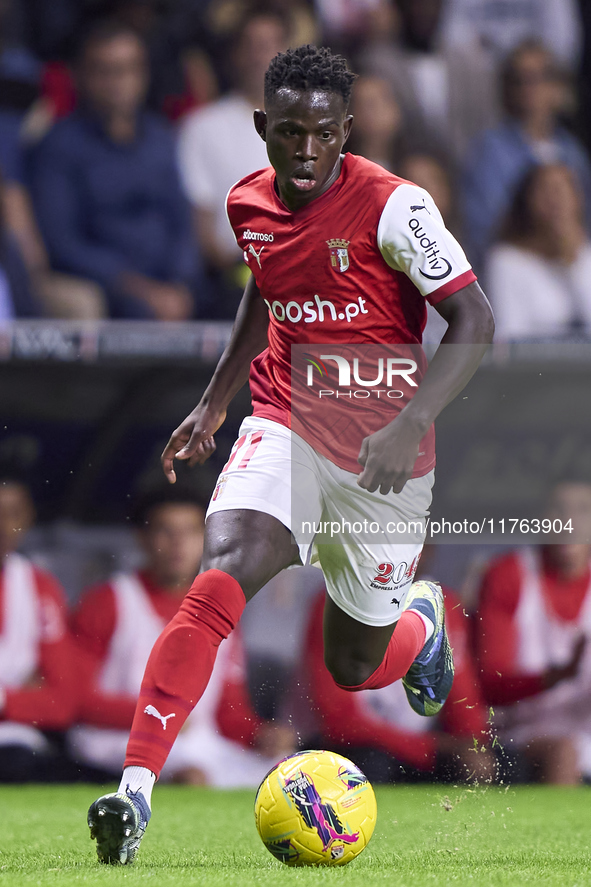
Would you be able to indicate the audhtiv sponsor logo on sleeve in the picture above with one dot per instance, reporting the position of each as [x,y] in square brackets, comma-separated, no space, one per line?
[439,266]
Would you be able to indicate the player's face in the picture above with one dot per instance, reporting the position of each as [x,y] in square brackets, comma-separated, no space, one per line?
[173,542]
[305,132]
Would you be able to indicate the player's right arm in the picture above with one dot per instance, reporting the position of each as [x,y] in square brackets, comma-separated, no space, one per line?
[193,440]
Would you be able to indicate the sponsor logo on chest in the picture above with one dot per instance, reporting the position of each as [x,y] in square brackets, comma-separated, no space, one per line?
[258,235]
[319,310]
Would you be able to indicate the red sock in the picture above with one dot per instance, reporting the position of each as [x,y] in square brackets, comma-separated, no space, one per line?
[405,645]
[180,666]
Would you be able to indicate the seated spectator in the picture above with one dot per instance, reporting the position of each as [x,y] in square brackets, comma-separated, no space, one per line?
[37,676]
[182,76]
[533,98]
[219,145]
[534,620]
[49,292]
[106,189]
[378,131]
[223,743]
[380,732]
[446,96]
[538,274]
[498,26]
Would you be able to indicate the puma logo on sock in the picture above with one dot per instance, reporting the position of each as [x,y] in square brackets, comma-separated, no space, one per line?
[151,710]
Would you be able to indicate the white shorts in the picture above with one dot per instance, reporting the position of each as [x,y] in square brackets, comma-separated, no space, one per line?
[367,545]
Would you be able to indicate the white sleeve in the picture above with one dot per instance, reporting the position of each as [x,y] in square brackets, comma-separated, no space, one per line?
[412,238]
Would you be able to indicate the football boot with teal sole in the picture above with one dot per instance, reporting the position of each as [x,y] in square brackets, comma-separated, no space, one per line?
[429,679]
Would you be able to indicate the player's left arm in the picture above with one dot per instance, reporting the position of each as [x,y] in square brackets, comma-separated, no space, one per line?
[388,456]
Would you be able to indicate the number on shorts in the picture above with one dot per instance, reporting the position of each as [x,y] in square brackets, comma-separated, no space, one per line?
[233,452]
[255,439]
[384,573]
[395,573]
[251,442]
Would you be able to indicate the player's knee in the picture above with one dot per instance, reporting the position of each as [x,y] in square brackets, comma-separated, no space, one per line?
[348,671]
[236,565]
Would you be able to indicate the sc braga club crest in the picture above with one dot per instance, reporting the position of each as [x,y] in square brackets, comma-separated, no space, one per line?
[339,253]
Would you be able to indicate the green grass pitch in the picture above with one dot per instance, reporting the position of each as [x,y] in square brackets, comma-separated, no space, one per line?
[431,835]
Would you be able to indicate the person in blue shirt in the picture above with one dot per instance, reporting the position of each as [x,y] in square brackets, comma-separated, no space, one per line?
[533,97]
[106,188]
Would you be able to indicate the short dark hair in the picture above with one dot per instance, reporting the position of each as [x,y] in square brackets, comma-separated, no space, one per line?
[309,67]
[176,494]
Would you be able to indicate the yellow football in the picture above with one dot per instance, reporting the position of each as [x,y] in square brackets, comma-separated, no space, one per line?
[315,808]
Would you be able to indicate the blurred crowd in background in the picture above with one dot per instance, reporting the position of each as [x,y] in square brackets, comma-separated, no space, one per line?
[123,123]
[519,709]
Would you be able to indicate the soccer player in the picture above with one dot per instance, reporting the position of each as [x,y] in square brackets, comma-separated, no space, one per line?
[393,251]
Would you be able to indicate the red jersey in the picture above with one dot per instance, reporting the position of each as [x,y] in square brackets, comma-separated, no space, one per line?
[497,635]
[353,267]
[47,698]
